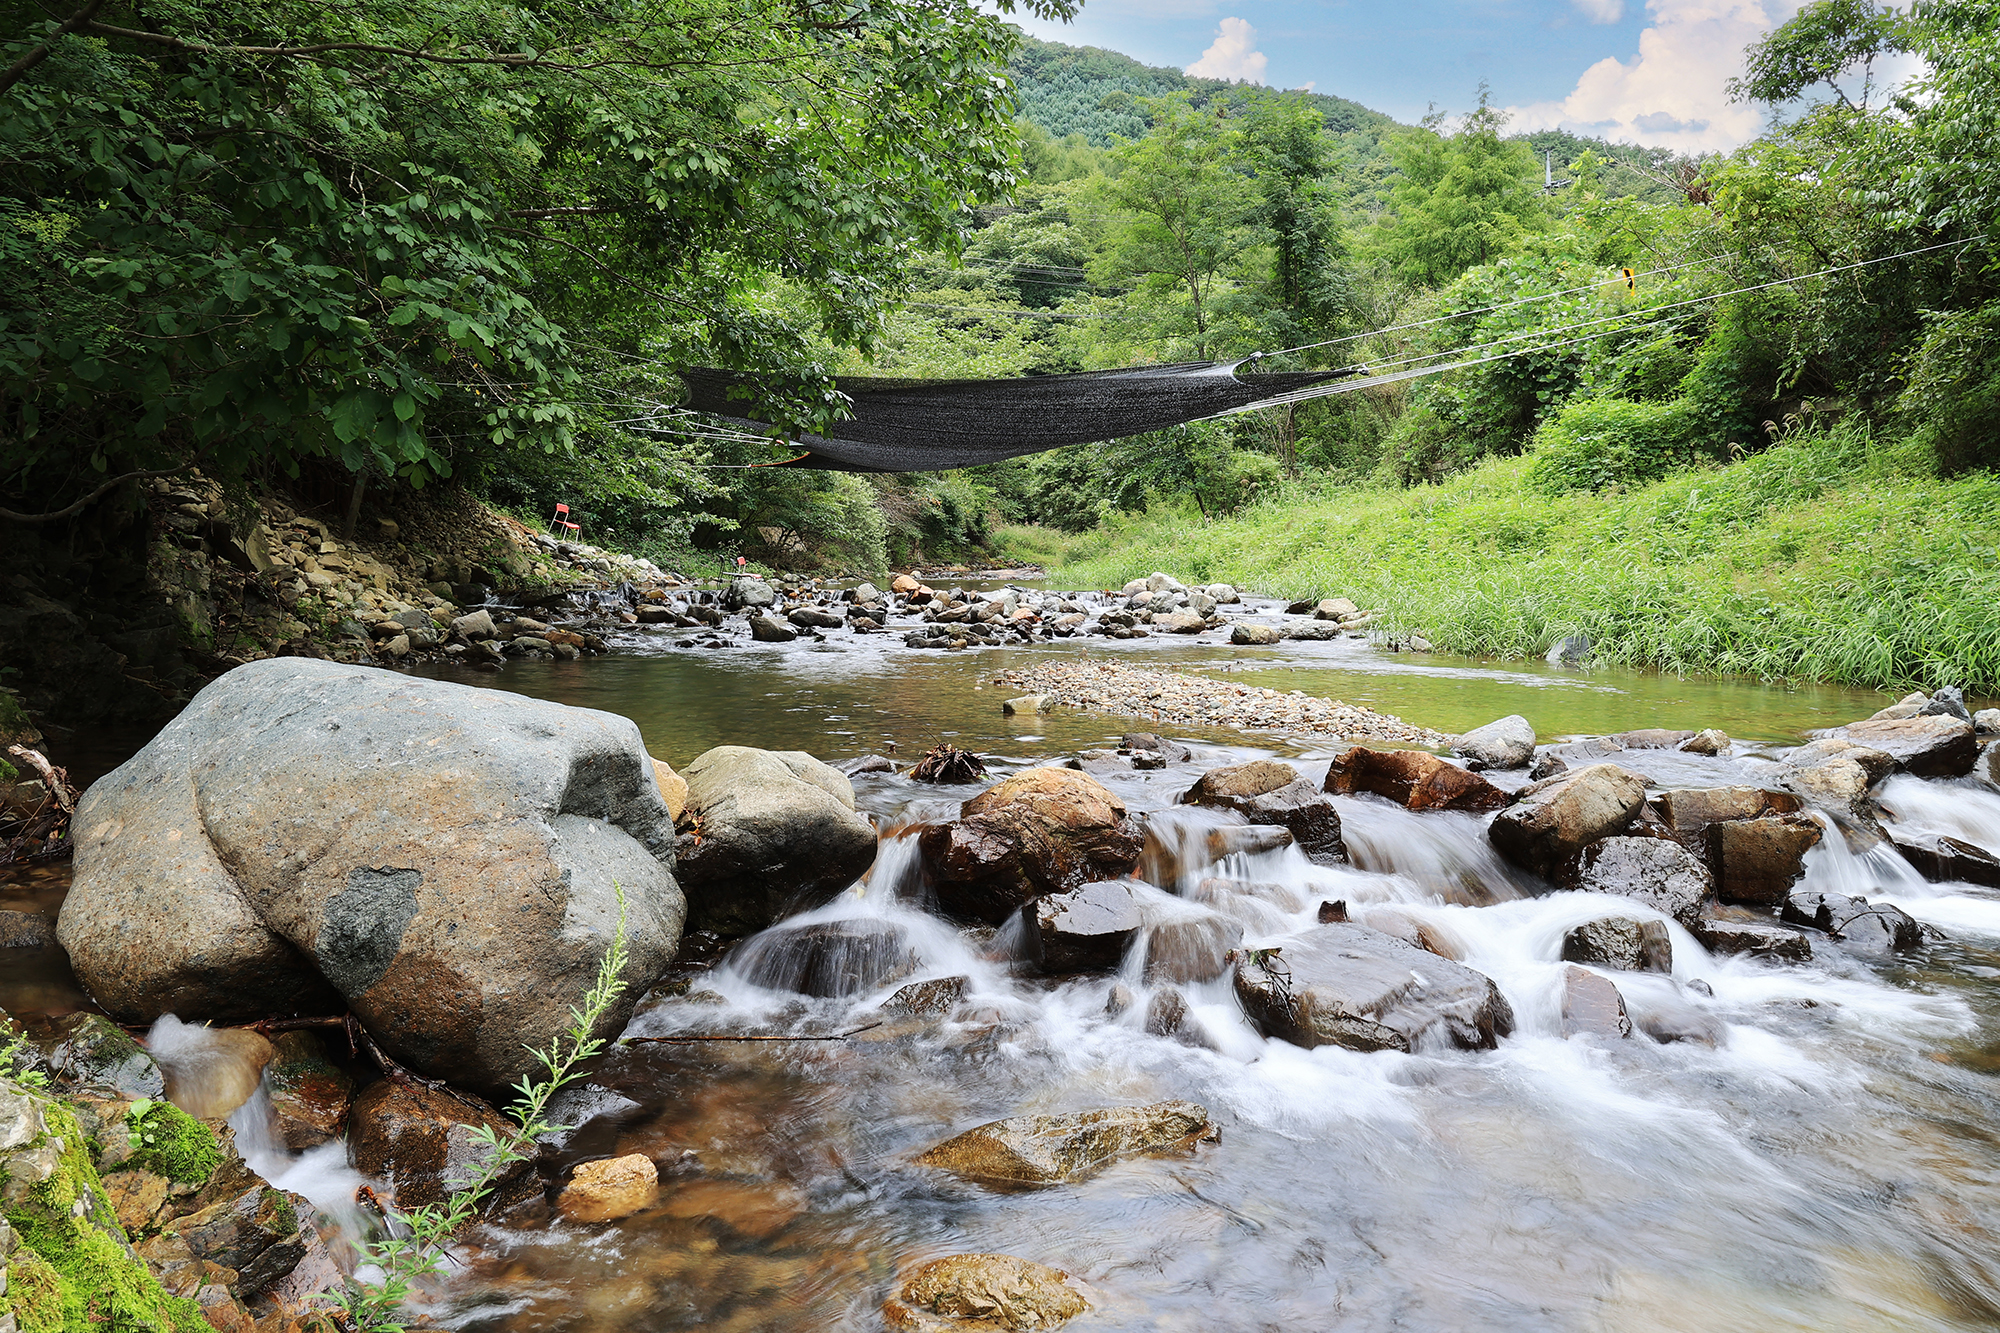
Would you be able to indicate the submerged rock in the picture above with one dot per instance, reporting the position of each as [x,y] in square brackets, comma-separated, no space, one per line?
[978,1293]
[1041,831]
[1347,985]
[1192,950]
[1554,820]
[308,836]
[1592,1006]
[1655,871]
[1268,792]
[1506,743]
[609,1188]
[769,833]
[1621,944]
[829,958]
[1051,1149]
[1414,779]
[422,1142]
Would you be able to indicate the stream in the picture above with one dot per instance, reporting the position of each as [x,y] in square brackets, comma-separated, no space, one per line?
[1819,1153]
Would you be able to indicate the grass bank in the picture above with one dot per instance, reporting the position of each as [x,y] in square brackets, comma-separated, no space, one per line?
[1824,558]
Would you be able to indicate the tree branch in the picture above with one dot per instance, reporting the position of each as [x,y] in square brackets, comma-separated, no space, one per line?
[12,74]
[12,517]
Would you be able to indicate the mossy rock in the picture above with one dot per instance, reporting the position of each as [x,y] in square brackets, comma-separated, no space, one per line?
[56,1203]
[34,1293]
[169,1142]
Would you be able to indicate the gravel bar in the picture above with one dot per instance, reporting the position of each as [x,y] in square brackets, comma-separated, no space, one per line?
[1186,700]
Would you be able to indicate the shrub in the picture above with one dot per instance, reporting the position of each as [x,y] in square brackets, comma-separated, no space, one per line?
[1598,442]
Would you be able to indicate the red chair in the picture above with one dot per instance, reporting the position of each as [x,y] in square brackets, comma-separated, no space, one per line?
[560,522]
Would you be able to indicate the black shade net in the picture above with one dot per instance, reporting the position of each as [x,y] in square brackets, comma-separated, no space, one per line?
[910,425]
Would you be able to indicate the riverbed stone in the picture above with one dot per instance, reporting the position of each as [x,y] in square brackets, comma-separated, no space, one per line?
[1085,929]
[1271,793]
[310,1094]
[983,1293]
[1759,860]
[1508,742]
[1053,1149]
[1659,872]
[1835,772]
[813,617]
[1347,985]
[609,1188]
[1937,746]
[767,833]
[1943,858]
[1986,721]
[1592,1006]
[422,1142]
[1733,931]
[1708,741]
[1555,819]
[830,958]
[1414,779]
[310,837]
[1687,812]
[1621,944]
[745,592]
[1029,704]
[1863,926]
[1040,831]
[26,930]
[770,629]
[1654,738]
[1146,742]
[1243,634]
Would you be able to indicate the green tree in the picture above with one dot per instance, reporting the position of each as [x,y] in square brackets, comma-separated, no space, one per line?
[1465,199]
[1294,162]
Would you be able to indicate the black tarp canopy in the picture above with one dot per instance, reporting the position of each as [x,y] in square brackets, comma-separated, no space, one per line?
[914,425]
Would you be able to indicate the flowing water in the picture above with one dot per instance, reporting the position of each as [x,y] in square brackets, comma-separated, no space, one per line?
[1818,1151]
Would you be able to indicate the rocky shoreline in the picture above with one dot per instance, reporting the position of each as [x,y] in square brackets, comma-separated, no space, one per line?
[1181,699]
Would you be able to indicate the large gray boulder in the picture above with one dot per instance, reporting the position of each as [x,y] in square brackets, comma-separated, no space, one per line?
[769,833]
[1930,747]
[443,860]
[744,592]
[1347,985]
[1658,872]
[1506,743]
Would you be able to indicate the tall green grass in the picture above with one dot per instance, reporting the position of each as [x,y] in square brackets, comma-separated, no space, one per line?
[1826,558]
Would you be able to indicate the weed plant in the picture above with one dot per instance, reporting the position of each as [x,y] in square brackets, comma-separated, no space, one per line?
[1829,556]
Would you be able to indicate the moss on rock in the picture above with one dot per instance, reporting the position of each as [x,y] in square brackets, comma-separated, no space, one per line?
[66,1219]
[169,1142]
[34,1293]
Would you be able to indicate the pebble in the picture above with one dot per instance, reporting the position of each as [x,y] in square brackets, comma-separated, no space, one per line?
[1198,701]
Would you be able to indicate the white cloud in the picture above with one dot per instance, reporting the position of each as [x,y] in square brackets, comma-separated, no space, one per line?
[1672,93]
[1601,11]
[1231,55]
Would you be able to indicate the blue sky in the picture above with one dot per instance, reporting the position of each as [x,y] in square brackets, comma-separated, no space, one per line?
[1642,71]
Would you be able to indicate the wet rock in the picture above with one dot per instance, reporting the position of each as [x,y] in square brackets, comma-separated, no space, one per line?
[1592,1006]
[1052,1149]
[812,617]
[1653,738]
[928,999]
[1407,927]
[1865,927]
[259,1234]
[1908,706]
[422,1142]
[1621,944]
[1986,721]
[673,787]
[829,958]
[1733,934]
[1758,860]
[1085,929]
[1709,741]
[1946,701]
[867,763]
[1347,985]
[1554,820]
[1181,622]
[307,836]
[1929,747]
[1655,871]
[770,629]
[477,625]
[1267,792]
[310,1094]
[1835,772]
[767,833]
[1190,951]
[209,1072]
[1687,812]
[609,1188]
[1940,857]
[1243,634]
[1041,831]
[1507,743]
[1412,778]
[744,592]
[26,930]
[1570,651]
[1028,703]
[89,1052]
[1670,1021]
[983,1293]
[1098,763]
[1245,840]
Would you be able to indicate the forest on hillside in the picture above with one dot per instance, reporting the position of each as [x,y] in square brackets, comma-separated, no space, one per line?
[472,244]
